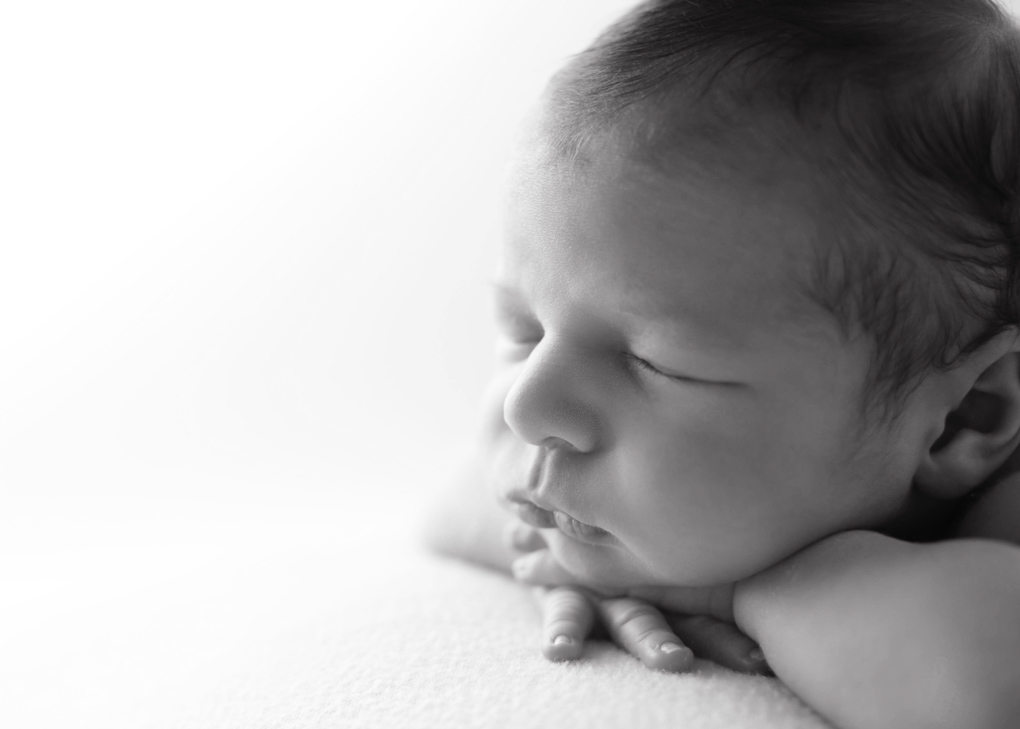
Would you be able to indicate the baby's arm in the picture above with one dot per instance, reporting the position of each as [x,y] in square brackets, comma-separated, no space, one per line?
[875,632]
[467,523]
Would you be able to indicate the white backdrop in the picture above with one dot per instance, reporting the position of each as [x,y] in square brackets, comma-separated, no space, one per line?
[244,249]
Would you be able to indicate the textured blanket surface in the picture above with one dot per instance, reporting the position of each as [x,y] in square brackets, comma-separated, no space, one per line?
[351,626]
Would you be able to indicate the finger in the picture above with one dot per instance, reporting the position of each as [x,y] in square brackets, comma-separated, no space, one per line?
[642,631]
[522,537]
[541,568]
[567,619]
[720,642]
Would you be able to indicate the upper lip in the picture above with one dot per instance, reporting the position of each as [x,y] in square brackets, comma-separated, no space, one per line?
[530,512]
[537,474]
[530,503]
[518,496]
[538,513]
[541,518]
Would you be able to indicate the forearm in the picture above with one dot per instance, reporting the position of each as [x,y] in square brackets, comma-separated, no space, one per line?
[873,632]
[467,522]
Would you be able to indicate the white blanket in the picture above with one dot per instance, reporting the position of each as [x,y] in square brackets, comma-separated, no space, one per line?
[352,625]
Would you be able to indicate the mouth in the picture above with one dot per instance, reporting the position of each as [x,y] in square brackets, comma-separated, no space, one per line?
[540,518]
[580,531]
[532,514]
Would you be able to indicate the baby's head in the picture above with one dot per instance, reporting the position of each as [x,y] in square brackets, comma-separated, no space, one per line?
[758,283]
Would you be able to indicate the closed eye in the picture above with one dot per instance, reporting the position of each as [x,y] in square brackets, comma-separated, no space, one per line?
[515,320]
[521,334]
[517,339]
[644,365]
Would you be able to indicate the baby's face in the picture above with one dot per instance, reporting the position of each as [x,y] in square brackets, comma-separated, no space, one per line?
[668,403]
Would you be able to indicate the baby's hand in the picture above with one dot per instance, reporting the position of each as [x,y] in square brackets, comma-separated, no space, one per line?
[663,641]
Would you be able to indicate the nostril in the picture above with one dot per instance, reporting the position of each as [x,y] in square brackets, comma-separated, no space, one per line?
[554,443]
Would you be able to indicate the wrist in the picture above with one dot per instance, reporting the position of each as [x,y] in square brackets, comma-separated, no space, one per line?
[715,601]
[758,598]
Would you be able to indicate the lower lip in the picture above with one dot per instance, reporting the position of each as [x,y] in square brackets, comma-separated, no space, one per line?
[580,531]
[533,515]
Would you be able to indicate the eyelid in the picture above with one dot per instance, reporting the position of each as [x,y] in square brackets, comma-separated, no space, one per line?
[514,319]
[644,364]
[521,340]
[519,327]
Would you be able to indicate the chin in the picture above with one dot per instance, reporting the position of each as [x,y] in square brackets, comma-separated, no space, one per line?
[608,567]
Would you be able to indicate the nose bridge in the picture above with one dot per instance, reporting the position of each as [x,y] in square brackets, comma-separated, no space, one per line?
[551,401]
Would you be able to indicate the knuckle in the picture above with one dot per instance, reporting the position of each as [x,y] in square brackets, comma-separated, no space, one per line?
[563,625]
[638,623]
[641,636]
[571,614]
[565,598]
[632,613]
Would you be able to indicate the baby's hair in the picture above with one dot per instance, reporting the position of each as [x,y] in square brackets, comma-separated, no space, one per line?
[910,107]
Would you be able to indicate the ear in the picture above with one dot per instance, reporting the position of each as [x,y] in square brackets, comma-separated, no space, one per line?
[982,429]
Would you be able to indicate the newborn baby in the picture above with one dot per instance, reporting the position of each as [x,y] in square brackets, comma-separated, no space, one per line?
[759,359]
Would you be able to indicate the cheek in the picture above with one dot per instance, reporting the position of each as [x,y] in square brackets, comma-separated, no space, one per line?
[695,469]
[873,482]
[713,502]
[686,505]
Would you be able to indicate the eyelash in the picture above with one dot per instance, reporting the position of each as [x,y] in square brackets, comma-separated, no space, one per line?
[524,340]
[647,366]
[632,359]
[521,332]
[643,364]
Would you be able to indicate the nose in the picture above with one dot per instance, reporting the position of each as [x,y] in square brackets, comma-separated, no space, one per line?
[552,401]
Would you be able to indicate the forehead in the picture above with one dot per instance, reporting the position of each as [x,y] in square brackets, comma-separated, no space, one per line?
[723,240]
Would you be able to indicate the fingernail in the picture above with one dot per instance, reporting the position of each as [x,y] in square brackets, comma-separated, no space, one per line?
[524,566]
[670,647]
[562,640]
[757,664]
[521,567]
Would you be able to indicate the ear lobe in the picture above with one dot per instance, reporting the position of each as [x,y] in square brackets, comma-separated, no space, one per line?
[979,434]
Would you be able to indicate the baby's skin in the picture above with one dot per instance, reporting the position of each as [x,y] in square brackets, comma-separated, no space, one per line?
[676,437]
